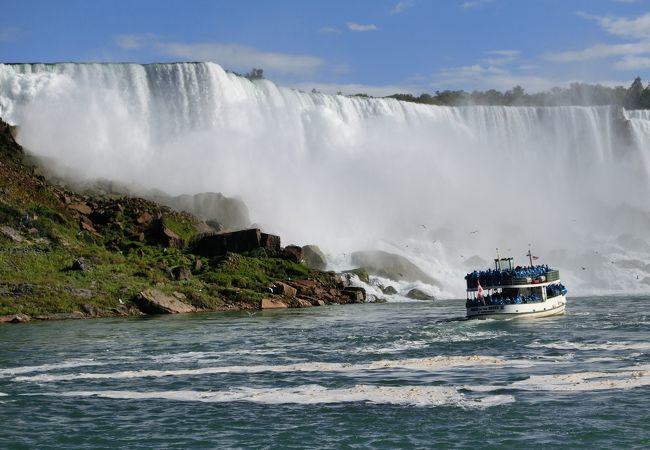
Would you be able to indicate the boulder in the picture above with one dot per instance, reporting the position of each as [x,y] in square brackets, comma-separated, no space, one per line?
[152,301]
[417,294]
[80,264]
[236,242]
[80,292]
[272,303]
[231,213]
[81,208]
[389,290]
[166,236]
[61,316]
[12,234]
[15,318]
[216,226]
[180,273]
[355,294]
[144,219]
[292,253]
[361,272]
[280,288]
[392,266]
[270,242]
[313,257]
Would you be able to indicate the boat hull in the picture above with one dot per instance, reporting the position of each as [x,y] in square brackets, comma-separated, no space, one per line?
[550,307]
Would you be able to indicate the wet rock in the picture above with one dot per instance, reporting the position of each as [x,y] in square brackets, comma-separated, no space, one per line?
[89,310]
[292,253]
[153,301]
[417,294]
[361,272]
[236,242]
[280,288]
[355,294]
[61,316]
[15,318]
[389,290]
[272,303]
[231,213]
[313,257]
[392,266]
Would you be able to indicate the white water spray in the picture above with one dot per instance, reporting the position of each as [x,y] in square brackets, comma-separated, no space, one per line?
[436,184]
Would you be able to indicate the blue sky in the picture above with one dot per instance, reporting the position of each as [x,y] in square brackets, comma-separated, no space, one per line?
[374,46]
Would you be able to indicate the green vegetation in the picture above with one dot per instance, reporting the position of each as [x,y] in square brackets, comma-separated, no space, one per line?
[61,252]
[579,94]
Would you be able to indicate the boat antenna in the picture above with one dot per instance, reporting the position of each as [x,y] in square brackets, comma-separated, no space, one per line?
[530,257]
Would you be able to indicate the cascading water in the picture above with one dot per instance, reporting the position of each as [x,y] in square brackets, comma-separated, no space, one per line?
[435,184]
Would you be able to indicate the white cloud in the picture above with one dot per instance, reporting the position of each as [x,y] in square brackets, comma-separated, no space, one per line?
[632,55]
[231,56]
[353,26]
[638,28]
[633,63]
[241,57]
[600,51]
[474,4]
[500,57]
[489,77]
[402,6]
[135,41]
[8,34]
[329,30]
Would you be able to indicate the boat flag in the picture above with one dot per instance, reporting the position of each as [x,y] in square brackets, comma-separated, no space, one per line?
[479,295]
[535,257]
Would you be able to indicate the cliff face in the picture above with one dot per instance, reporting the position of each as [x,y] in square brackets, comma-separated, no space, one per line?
[67,255]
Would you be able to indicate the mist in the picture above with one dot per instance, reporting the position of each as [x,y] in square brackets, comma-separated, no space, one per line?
[435,184]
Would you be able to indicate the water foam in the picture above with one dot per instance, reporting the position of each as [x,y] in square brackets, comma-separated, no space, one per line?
[420,364]
[623,378]
[584,346]
[366,173]
[49,367]
[421,396]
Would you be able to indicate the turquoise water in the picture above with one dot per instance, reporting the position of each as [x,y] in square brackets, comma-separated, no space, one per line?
[402,375]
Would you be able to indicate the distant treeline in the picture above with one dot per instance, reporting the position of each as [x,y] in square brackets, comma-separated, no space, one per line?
[577,94]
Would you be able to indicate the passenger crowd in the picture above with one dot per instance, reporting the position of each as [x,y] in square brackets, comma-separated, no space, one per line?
[492,277]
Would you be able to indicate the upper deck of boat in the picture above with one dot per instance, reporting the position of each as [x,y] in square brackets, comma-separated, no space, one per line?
[504,275]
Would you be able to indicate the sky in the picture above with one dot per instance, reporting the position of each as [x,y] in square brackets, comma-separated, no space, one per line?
[378,47]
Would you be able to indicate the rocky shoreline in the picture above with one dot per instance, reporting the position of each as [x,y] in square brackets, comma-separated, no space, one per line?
[66,255]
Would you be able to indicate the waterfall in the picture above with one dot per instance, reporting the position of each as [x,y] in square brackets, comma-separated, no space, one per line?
[354,173]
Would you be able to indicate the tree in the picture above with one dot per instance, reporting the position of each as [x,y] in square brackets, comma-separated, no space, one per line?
[255,74]
[634,93]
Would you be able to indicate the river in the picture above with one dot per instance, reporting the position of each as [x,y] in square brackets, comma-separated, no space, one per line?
[396,375]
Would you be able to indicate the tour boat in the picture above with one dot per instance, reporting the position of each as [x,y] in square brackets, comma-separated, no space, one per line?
[515,292]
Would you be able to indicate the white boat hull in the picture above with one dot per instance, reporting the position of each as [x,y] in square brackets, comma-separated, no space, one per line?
[550,307]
